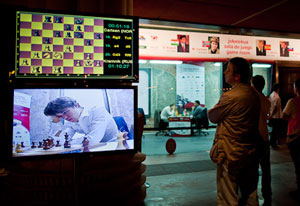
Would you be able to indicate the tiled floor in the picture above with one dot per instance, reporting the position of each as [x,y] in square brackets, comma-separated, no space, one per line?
[188,177]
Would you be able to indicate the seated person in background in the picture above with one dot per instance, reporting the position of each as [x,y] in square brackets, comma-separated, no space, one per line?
[197,110]
[167,112]
[96,124]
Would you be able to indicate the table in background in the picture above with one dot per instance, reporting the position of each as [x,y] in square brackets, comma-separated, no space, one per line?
[175,122]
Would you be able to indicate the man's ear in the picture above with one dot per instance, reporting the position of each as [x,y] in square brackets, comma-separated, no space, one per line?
[237,77]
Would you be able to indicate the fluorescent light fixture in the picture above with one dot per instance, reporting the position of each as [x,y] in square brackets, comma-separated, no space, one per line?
[141,61]
[164,62]
[261,65]
[217,64]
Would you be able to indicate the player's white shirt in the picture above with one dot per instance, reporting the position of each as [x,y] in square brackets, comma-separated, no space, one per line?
[166,113]
[96,124]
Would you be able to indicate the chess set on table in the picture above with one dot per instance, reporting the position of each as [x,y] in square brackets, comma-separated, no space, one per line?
[48,147]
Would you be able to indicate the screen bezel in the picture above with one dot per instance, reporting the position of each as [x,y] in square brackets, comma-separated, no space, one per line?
[70,155]
[116,78]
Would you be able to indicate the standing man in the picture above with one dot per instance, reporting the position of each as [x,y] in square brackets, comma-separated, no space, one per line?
[291,113]
[236,138]
[275,114]
[258,82]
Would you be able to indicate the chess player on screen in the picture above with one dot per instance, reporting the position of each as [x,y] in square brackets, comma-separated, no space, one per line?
[96,123]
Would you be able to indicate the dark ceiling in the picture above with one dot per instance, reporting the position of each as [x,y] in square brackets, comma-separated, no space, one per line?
[273,15]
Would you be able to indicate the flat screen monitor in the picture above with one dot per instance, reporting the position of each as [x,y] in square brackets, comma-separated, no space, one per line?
[64,121]
[64,46]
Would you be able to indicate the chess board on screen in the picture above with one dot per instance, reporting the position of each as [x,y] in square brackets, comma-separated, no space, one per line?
[62,46]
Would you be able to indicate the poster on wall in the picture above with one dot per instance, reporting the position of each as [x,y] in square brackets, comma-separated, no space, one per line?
[21,121]
[190,84]
[188,45]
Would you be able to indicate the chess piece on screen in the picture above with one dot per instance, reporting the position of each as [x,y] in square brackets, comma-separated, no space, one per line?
[67,143]
[78,28]
[78,35]
[48,19]
[78,21]
[78,63]
[46,145]
[33,145]
[57,144]
[36,33]
[19,149]
[68,28]
[47,41]
[85,144]
[68,35]
[122,143]
[58,19]
[98,36]
[36,55]
[40,144]
[22,144]
[57,34]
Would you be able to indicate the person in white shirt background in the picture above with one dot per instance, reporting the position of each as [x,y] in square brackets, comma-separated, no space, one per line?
[275,116]
[167,112]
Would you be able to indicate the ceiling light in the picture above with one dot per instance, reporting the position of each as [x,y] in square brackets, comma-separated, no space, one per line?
[261,65]
[164,62]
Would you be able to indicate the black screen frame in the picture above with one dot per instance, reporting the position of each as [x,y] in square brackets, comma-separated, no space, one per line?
[9,138]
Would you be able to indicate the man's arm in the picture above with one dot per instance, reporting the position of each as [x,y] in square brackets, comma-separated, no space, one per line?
[220,110]
[98,120]
[287,111]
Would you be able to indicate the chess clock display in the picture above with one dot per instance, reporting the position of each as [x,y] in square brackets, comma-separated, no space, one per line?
[50,45]
[73,121]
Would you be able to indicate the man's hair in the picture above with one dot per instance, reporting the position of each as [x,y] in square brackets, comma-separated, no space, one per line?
[172,105]
[297,84]
[197,101]
[275,87]
[214,39]
[258,82]
[59,105]
[241,67]
[183,36]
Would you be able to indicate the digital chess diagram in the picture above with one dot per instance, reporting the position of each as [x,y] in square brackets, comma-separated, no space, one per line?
[53,44]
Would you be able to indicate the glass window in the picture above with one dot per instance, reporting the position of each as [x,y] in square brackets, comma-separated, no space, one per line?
[180,83]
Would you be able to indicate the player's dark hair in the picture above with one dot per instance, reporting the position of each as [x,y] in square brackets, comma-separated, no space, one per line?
[198,102]
[183,36]
[241,67]
[275,87]
[258,82]
[59,105]
[297,84]
[171,105]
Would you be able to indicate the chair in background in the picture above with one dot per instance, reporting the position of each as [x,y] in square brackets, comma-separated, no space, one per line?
[122,126]
[202,123]
[159,123]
